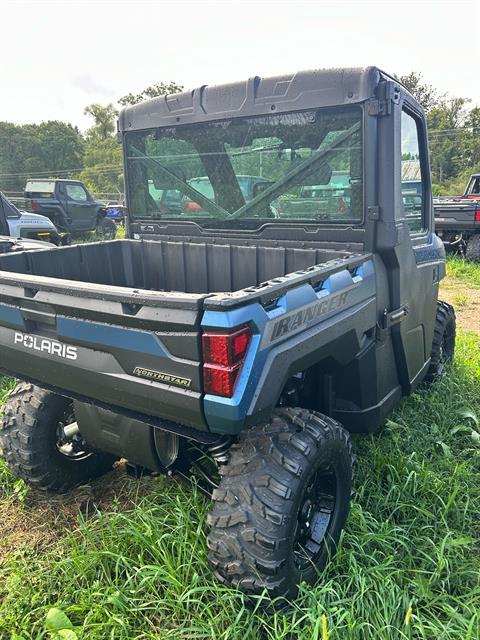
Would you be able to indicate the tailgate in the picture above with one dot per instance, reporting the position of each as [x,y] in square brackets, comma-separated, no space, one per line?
[135,349]
[456,215]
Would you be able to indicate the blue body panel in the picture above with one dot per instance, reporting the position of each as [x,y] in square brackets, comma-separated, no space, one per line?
[303,310]
[106,335]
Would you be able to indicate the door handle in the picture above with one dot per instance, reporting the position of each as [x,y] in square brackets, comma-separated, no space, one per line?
[389,319]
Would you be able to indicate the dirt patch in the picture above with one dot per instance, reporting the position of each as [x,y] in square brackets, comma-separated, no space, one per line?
[466,300]
[39,520]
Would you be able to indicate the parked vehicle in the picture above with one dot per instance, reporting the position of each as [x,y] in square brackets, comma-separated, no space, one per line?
[25,225]
[250,186]
[457,220]
[472,191]
[319,200]
[235,339]
[70,207]
[174,201]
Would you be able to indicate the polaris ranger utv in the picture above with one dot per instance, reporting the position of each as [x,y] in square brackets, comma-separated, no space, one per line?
[234,334]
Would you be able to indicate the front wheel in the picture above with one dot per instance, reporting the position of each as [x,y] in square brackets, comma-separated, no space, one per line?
[41,443]
[106,229]
[281,504]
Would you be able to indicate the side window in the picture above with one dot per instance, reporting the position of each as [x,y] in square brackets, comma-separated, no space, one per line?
[413,181]
[76,192]
[10,210]
[474,186]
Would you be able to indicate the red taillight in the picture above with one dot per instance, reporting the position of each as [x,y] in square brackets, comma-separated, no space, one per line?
[223,354]
[34,205]
[227,349]
[190,206]
[477,215]
[219,380]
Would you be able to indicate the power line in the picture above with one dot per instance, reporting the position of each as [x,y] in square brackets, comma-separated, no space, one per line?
[101,168]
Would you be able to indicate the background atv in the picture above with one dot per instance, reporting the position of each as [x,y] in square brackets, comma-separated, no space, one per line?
[70,207]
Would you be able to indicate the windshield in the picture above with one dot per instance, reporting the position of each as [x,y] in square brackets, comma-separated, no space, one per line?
[41,186]
[303,166]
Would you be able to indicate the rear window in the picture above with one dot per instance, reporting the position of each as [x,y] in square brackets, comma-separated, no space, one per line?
[41,186]
[216,165]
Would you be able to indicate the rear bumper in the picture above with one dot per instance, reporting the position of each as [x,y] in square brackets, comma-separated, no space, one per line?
[100,373]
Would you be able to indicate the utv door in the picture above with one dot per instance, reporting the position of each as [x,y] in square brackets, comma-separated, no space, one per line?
[81,209]
[416,258]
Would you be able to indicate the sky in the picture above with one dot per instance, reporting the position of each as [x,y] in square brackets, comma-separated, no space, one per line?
[58,57]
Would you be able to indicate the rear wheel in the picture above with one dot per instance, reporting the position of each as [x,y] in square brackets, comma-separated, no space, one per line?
[473,248]
[41,442]
[443,346]
[281,504]
[106,228]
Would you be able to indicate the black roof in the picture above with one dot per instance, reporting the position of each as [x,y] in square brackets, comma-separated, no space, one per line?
[53,180]
[255,96]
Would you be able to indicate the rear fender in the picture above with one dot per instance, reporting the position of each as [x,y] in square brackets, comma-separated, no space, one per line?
[301,328]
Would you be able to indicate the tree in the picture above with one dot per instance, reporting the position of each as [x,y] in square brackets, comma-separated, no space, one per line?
[154,90]
[60,146]
[47,149]
[472,138]
[448,137]
[103,155]
[425,93]
[104,120]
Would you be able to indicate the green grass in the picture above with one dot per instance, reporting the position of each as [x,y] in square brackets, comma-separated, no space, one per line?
[92,236]
[411,543]
[465,270]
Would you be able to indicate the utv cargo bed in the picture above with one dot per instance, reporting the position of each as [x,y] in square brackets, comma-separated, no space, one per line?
[127,303]
[169,266]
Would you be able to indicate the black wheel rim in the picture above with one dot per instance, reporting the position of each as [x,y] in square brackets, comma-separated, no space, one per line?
[315,518]
[71,447]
